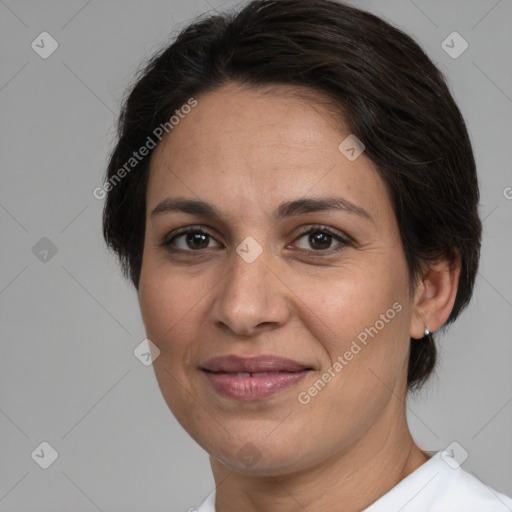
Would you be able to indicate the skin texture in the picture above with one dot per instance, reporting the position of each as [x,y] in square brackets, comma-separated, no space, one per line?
[247,152]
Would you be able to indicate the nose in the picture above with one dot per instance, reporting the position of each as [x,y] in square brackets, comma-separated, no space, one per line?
[251,298]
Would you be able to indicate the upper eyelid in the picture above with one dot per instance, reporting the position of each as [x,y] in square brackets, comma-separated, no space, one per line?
[319,227]
[186,230]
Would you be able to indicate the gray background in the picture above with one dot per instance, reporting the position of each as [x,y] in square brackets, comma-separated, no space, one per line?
[70,324]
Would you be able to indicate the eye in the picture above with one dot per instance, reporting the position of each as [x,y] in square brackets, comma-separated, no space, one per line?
[195,239]
[190,239]
[320,239]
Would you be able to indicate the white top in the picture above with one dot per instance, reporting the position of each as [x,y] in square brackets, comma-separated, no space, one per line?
[438,485]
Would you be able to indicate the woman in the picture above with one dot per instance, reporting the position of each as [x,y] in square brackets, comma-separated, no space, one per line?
[294,197]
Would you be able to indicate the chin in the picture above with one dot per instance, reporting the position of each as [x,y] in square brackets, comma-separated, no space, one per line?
[248,460]
[258,456]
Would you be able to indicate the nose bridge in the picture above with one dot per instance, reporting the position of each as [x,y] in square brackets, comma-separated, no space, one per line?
[247,270]
[250,294]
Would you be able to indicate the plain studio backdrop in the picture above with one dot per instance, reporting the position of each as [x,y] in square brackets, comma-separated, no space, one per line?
[69,377]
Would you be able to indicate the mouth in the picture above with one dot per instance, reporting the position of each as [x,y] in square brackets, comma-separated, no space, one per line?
[253,378]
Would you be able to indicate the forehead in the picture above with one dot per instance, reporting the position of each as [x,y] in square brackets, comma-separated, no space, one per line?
[242,148]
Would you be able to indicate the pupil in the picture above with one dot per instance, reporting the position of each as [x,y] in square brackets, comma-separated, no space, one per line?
[199,238]
[320,240]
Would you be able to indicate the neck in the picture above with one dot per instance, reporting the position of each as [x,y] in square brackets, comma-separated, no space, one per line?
[355,477]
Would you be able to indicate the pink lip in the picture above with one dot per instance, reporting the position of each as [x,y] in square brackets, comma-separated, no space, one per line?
[263,363]
[222,372]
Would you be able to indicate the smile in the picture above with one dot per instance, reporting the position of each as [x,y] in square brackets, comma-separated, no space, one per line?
[253,378]
[253,386]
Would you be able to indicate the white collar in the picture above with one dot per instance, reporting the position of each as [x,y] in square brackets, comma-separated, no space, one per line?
[438,485]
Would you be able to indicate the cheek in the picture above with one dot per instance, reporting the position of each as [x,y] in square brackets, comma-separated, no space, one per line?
[168,308]
[342,305]
[166,304]
[360,319]
[362,329]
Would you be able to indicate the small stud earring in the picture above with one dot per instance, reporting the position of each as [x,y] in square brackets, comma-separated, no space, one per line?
[427,332]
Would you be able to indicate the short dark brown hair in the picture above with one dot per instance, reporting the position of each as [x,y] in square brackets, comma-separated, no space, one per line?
[394,99]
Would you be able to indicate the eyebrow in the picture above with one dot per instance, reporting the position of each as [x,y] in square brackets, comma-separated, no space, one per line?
[285,210]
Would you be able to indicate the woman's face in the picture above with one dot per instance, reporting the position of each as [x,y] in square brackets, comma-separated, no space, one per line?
[252,282]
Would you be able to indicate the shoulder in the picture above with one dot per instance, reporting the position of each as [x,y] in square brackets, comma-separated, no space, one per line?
[442,485]
[465,491]
[208,505]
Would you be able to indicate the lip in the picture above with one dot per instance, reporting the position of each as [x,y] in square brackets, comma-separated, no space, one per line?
[262,363]
[233,376]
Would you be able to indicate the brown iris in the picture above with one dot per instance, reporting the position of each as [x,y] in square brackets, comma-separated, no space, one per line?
[320,240]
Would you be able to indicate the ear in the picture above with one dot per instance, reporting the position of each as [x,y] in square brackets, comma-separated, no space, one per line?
[434,297]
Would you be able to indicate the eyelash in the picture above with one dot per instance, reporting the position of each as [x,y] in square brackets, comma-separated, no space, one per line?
[343,242]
